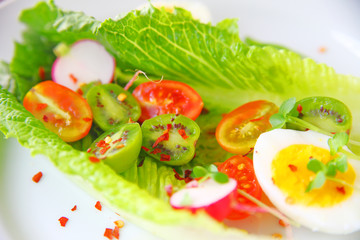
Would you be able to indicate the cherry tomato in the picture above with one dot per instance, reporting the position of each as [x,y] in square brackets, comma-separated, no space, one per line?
[238,131]
[241,169]
[163,97]
[62,110]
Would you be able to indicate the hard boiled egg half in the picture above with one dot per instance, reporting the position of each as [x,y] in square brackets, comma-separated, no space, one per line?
[280,163]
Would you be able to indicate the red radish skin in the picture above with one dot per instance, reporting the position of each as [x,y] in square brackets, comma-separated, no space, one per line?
[87,61]
[215,198]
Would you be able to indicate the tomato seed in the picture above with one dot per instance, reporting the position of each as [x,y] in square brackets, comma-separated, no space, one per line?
[119,223]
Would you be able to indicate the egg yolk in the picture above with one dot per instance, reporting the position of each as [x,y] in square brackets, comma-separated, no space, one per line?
[291,176]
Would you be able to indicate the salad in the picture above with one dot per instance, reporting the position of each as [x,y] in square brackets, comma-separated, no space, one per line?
[232,69]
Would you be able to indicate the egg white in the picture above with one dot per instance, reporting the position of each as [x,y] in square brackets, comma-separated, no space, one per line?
[341,218]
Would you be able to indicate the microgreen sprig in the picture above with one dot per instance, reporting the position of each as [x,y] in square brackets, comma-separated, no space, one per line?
[328,171]
[207,172]
[287,115]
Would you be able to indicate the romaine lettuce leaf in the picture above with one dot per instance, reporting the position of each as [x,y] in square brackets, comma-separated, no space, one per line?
[225,71]
[6,79]
[153,176]
[127,198]
[47,26]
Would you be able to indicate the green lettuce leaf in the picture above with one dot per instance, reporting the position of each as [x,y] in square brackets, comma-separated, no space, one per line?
[47,26]
[127,198]
[217,64]
[153,176]
[224,70]
[6,79]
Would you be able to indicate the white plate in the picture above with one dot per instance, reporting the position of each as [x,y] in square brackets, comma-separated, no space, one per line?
[31,211]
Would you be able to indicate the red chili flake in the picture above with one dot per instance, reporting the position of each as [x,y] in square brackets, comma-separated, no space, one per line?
[45,118]
[187,173]
[156,151]
[141,163]
[63,221]
[168,126]
[204,111]
[282,223]
[256,119]
[88,150]
[36,178]
[73,78]
[98,206]
[322,49]
[94,159]
[341,190]
[299,108]
[293,168]
[108,233]
[163,137]
[182,133]
[104,150]
[178,177]
[169,190]
[145,148]
[42,73]
[74,208]
[117,140]
[101,144]
[79,91]
[87,119]
[116,232]
[41,106]
[165,157]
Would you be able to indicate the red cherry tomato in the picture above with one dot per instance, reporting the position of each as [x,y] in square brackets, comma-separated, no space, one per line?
[241,169]
[238,131]
[157,98]
[62,110]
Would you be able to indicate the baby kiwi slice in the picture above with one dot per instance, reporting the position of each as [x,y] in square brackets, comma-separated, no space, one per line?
[170,138]
[326,113]
[112,105]
[118,147]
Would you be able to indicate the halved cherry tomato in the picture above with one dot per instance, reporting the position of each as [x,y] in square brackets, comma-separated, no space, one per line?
[62,110]
[241,169]
[163,97]
[238,131]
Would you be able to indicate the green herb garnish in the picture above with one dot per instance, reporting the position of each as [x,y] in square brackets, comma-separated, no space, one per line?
[328,171]
[209,172]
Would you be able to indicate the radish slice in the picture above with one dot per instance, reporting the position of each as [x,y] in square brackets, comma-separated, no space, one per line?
[86,61]
[215,198]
